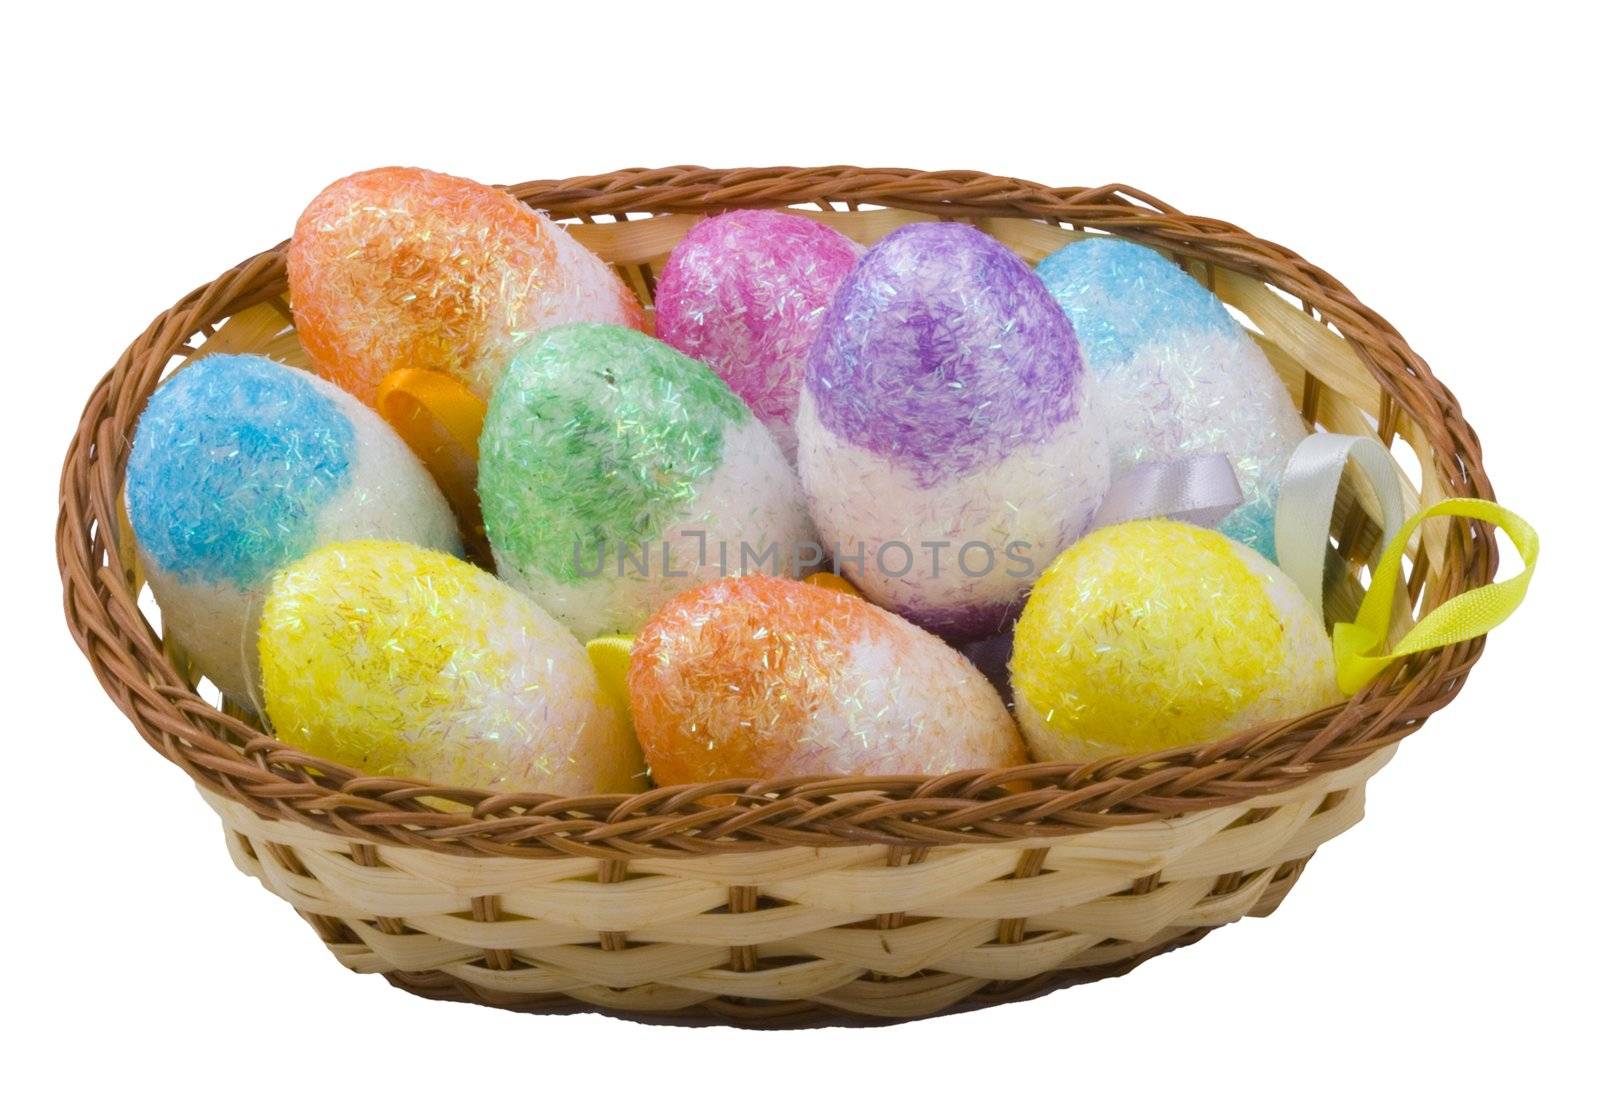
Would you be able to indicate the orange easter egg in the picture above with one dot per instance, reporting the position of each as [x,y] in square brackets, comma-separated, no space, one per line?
[768,677]
[408,269]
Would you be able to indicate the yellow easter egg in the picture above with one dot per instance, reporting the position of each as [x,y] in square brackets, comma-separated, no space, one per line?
[399,661]
[1157,634]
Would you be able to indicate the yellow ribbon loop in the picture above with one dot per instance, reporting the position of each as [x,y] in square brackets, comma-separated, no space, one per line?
[440,419]
[1464,617]
[610,655]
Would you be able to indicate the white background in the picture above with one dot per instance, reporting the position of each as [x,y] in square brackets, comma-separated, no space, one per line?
[1437,165]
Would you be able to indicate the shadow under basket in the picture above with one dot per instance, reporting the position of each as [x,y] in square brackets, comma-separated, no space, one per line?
[805,901]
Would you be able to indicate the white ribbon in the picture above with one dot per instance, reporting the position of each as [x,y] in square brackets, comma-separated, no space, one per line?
[1305,503]
[1200,489]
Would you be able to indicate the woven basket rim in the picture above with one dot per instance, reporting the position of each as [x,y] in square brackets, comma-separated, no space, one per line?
[235,760]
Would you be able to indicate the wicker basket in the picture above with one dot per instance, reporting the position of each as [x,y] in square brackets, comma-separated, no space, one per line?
[805,901]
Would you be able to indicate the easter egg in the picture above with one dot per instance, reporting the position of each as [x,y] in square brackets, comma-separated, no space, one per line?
[744,292]
[767,677]
[403,662]
[239,466]
[1175,374]
[946,441]
[1156,634]
[615,471]
[407,269]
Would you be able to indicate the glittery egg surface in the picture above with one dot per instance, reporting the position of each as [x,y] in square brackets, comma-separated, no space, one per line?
[744,292]
[1157,634]
[408,269]
[946,439]
[1175,374]
[399,661]
[615,471]
[767,677]
[239,466]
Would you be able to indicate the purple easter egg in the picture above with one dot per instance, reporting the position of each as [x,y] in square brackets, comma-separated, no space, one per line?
[744,292]
[944,415]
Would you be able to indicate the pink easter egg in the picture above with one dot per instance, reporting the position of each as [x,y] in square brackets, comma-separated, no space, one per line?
[744,292]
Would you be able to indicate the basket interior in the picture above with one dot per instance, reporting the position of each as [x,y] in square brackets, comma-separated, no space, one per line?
[1323,374]
[1337,362]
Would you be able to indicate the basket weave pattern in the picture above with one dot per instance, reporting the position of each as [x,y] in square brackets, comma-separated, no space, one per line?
[803,900]
[765,937]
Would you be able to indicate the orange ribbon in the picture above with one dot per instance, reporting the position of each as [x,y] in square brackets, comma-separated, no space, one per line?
[833,582]
[440,419]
